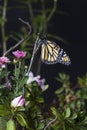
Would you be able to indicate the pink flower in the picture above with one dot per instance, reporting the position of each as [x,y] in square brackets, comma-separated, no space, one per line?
[18,101]
[3,61]
[40,82]
[19,54]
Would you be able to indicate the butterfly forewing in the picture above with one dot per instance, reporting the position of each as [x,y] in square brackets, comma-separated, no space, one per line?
[51,53]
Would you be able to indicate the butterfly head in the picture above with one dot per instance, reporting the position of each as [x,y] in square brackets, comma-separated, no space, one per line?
[42,40]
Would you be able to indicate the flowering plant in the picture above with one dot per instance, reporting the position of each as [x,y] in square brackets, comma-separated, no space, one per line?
[22,104]
[20,94]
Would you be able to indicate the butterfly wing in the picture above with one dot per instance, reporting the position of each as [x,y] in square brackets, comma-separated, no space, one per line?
[51,53]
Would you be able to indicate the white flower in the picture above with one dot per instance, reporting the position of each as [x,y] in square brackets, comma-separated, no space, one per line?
[40,82]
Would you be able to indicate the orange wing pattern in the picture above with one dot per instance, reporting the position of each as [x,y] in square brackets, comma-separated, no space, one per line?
[51,53]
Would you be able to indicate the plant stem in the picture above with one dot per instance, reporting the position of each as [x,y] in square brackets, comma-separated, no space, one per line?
[51,122]
[22,40]
[31,16]
[52,11]
[36,46]
[43,27]
[3,26]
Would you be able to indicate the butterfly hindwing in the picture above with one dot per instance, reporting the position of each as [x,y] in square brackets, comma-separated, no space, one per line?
[51,53]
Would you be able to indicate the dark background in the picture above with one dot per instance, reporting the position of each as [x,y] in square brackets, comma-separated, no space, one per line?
[73,28]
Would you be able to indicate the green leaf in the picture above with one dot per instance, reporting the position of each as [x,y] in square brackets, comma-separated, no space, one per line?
[45,87]
[84,93]
[41,126]
[21,118]
[17,72]
[11,125]
[64,77]
[2,86]
[21,108]
[83,81]
[65,126]
[59,91]
[39,99]
[53,110]
[67,112]
[74,116]
[4,73]
[4,111]
[23,81]
[60,116]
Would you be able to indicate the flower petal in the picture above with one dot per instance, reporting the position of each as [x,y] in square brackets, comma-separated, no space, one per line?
[8,84]
[41,83]
[21,102]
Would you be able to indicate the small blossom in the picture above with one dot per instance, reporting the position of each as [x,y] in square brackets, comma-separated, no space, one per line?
[40,82]
[3,61]
[19,54]
[8,84]
[18,101]
[32,78]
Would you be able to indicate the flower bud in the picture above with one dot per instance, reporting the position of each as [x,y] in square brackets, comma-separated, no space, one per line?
[18,101]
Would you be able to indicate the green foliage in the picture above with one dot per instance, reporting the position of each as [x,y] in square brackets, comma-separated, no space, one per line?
[4,110]
[72,113]
[11,125]
[3,122]
[83,81]
[22,119]
[29,116]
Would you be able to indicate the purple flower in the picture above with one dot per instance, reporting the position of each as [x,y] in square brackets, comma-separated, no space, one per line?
[40,82]
[3,61]
[18,101]
[8,84]
[19,54]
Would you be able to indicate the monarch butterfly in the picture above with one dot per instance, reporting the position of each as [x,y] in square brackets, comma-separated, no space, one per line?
[51,53]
